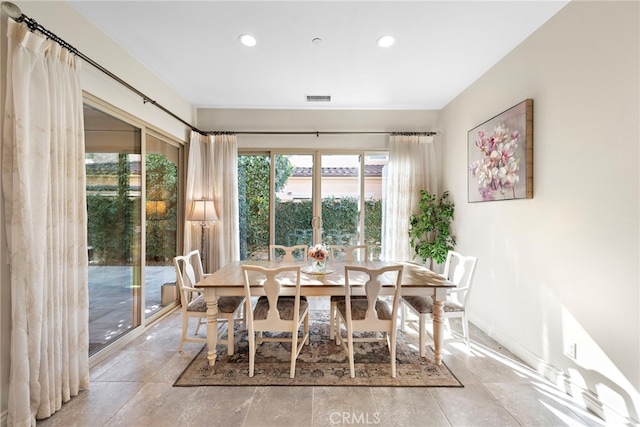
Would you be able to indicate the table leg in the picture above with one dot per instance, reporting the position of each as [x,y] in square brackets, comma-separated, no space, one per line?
[212,324]
[438,323]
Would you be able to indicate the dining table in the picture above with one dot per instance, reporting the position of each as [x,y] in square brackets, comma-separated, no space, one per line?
[416,280]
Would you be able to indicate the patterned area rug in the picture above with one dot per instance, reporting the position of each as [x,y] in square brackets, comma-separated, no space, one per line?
[321,363]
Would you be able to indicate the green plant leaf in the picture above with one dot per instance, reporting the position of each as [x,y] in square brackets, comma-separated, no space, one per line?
[430,231]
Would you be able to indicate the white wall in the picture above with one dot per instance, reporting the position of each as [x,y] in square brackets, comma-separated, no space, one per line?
[563,267]
[318,120]
[60,18]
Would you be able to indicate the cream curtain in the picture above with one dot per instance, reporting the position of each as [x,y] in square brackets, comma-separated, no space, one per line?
[212,174]
[43,180]
[412,167]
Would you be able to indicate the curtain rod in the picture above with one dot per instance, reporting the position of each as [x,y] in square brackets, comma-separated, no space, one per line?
[16,14]
[318,133]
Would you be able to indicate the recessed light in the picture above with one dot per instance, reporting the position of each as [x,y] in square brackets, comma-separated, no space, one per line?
[247,40]
[385,41]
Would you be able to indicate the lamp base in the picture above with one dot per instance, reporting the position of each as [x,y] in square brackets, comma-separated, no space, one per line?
[203,249]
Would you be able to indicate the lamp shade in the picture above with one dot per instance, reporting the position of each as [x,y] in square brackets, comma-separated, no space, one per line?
[203,210]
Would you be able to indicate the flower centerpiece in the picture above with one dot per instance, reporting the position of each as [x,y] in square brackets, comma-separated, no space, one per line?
[318,255]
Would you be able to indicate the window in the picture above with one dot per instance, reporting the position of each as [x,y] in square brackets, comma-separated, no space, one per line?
[310,197]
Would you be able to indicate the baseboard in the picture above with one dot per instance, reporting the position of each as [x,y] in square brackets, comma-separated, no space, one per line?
[583,397]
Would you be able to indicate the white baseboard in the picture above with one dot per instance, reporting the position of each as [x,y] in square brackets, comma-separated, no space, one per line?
[581,396]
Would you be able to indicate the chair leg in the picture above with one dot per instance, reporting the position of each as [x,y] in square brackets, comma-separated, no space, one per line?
[403,316]
[422,334]
[252,351]
[338,335]
[392,350]
[332,320]
[447,325]
[230,340]
[185,326]
[200,322]
[306,329]
[352,370]
[246,307]
[294,353]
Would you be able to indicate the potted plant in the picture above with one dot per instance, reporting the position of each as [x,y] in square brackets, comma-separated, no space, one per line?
[430,231]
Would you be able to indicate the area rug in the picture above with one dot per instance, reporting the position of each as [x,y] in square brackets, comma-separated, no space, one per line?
[321,363]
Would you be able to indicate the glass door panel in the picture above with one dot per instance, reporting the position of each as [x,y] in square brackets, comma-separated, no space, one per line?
[294,211]
[375,165]
[113,165]
[161,173]
[340,192]
[254,199]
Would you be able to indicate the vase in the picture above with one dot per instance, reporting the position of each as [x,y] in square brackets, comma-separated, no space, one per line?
[319,266]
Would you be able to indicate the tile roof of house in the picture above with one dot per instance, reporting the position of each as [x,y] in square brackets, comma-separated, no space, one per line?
[369,170]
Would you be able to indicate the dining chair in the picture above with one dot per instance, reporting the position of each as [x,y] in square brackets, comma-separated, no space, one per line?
[289,252]
[459,270]
[369,314]
[276,313]
[345,254]
[192,301]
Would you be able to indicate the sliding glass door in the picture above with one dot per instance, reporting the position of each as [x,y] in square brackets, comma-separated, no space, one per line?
[306,198]
[162,161]
[113,168]
[293,205]
[341,191]
[254,172]
[133,182]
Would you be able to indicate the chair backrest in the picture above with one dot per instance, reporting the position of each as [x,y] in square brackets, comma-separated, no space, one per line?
[289,252]
[273,280]
[349,253]
[459,269]
[196,261]
[373,286]
[187,275]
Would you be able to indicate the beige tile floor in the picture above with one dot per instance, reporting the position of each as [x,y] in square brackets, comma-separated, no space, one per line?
[134,388]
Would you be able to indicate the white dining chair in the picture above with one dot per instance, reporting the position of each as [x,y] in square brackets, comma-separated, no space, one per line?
[459,270]
[344,254]
[276,313]
[369,314]
[291,253]
[192,302]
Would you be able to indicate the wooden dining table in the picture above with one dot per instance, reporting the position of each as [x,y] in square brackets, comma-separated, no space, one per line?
[416,280]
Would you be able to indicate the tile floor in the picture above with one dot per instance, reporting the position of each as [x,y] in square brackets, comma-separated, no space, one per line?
[134,388]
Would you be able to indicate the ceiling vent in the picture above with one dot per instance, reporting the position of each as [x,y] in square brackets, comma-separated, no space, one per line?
[318,98]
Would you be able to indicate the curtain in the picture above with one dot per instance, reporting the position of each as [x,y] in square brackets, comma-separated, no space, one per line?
[412,167]
[43,180]
[212,174]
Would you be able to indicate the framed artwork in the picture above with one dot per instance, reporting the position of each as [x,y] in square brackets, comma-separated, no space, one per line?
[500,156]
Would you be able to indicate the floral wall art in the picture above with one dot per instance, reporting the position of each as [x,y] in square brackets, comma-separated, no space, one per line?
[500,156]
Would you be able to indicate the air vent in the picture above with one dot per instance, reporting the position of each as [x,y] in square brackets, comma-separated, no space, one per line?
[318,98]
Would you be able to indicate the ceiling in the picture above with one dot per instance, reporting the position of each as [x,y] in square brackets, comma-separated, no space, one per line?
[440,48]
